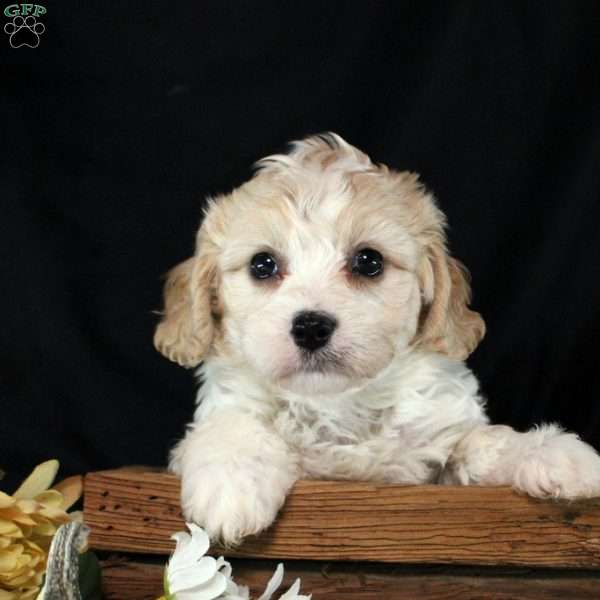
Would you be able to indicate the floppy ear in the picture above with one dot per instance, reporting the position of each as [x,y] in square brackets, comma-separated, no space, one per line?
[186,331]
[447,324]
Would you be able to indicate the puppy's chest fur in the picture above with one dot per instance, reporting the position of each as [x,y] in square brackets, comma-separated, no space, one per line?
[309,422]
[344,438]
[401,427]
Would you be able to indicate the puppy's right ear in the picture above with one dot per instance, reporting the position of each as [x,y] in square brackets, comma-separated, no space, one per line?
[186,331]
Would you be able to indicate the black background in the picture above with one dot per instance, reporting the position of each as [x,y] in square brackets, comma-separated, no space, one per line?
[128,114]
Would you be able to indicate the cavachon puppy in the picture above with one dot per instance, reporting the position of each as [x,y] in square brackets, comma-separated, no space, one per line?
[329,326]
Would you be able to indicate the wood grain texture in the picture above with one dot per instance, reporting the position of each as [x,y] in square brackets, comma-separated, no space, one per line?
[124,580]
[341,521]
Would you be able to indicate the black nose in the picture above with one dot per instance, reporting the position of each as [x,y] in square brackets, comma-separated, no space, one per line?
[312,330]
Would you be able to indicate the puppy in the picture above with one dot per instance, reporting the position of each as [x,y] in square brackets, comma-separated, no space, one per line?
[329,326]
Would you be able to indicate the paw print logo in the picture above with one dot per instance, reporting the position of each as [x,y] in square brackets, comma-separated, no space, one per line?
[24,31]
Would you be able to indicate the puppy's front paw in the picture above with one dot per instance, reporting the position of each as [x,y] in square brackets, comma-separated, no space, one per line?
[561,467]
[231,505]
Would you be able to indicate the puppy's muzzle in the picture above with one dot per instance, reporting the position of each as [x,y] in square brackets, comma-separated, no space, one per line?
[312,330]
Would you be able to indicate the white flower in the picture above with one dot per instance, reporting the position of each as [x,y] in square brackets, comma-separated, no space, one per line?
[190,575]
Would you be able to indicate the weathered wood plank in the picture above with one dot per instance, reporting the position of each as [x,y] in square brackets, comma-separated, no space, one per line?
[124,580]
[335,521]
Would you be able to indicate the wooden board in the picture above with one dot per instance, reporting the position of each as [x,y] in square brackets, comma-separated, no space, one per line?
[125,580]
[135,511]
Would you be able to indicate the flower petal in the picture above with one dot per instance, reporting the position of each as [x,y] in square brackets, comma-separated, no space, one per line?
[9,558]
[274,583]
[9,529]
[40,479]
[224,567]
[24,520]
[33,546]
[184,552]
[189,549]
[27,506]
[71,489]
[236,592]
[199,537]
[45,529]
[6,500]
[207,591]
[54,514]
[50,499]
[15,515]
[182,539]
[192,575]
[294,593]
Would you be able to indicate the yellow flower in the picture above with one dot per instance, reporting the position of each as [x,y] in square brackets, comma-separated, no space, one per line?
[28,521]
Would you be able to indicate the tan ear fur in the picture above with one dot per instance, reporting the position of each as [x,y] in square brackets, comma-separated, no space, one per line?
[447,324]
[186,331]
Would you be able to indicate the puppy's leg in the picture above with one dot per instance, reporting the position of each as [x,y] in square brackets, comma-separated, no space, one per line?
[235,474]
[545,462]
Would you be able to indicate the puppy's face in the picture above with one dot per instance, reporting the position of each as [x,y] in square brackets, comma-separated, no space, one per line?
[317,272]
[318,280]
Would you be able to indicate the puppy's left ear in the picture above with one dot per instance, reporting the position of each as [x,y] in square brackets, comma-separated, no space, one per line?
[447,325]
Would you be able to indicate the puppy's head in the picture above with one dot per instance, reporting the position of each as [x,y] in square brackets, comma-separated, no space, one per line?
[317,272]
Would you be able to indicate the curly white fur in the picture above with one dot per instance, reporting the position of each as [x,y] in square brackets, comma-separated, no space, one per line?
[392,399]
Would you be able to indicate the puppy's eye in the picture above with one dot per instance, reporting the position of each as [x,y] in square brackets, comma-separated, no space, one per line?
[367,262]
[263,265]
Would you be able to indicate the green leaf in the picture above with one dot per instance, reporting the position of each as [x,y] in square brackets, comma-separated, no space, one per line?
[90,580]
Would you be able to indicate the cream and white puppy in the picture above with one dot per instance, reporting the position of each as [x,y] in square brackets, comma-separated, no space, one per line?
[331,325]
